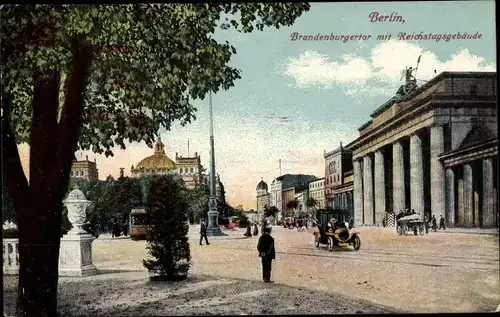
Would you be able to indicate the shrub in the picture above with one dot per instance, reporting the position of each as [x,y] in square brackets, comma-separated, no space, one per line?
[243,220]
[167,239]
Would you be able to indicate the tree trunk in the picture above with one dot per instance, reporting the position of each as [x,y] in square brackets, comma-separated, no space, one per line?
[38,204]
[39,242]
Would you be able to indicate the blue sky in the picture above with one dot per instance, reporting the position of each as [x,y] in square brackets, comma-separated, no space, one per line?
[324,89]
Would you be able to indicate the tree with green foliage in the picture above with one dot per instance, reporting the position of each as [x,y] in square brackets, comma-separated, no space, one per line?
[291,207]
[243,220]
[167,239]
[271,211]
[95,77]
[198,202]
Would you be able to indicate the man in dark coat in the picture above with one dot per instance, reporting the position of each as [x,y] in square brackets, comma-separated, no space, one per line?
[441,223]
[434,225]
[203,233]
[267,254]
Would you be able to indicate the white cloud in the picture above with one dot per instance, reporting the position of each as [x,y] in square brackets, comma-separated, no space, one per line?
[380,73]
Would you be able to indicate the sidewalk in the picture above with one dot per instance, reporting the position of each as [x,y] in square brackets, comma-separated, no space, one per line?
[469,231]
[493,231]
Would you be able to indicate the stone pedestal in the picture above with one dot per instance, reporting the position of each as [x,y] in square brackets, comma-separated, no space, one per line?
[379,188]
[358,193]
[213,228]
[368,190]
[75,255]
[398,180]
[416,175]
[437,172]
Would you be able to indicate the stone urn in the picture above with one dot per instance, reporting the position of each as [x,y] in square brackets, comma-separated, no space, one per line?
[77,204]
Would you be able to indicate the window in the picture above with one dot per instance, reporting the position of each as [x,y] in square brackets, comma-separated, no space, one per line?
[191,170]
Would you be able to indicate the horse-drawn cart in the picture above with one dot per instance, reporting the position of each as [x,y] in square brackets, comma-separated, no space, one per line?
[410,223]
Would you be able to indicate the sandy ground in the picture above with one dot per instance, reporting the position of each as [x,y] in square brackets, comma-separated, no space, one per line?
[418,274]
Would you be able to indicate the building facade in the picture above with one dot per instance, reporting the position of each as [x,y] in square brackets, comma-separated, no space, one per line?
[434,151]
[85,170]
[297,181]
[287,195]
[275,198]
[339,180]
[317,192]
[263,197]
[188,168]
[301,198]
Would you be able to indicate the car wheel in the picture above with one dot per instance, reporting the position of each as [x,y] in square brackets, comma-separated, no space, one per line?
[356,242]
[330,244]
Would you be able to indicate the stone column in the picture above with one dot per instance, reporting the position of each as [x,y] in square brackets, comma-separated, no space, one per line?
[460,202]
[437,171]
[488,194]
[450,197]
[398,177]
[367,190]
[379,188]
[358,193]
[416,175]
[468,195]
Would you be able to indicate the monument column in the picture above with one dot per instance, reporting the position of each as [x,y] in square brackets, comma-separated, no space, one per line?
[398,177]
[379,188]
[437,171]
[367,190]
[488,194]
[468,195]
[416,175]
[450,197]
[358,193]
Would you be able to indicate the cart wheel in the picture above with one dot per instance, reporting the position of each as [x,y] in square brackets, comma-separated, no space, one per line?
[421,229]
[316,241]
[356,243]
[399,230]
[330,244]
[405,230]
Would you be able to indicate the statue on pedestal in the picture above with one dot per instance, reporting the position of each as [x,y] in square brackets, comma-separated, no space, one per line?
[75,257]
[410,80]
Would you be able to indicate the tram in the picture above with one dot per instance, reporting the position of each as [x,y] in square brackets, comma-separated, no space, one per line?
[139,221]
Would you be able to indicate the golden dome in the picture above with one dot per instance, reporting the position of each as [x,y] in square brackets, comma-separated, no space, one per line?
[158,161]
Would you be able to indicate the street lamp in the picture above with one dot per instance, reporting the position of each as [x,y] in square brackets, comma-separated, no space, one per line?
[213,228]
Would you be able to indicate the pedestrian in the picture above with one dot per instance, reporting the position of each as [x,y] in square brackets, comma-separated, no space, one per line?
[248,233]
[203,233]
[441,223]
[434,225]
[267,253]
[255,229]
[125,229]
[426,224]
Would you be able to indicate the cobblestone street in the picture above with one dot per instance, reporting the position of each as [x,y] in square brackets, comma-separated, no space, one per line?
[433,273]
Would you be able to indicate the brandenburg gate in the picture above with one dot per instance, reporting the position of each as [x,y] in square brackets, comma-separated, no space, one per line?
[433,150]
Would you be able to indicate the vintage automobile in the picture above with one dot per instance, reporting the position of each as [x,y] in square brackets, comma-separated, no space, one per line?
[333,230]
